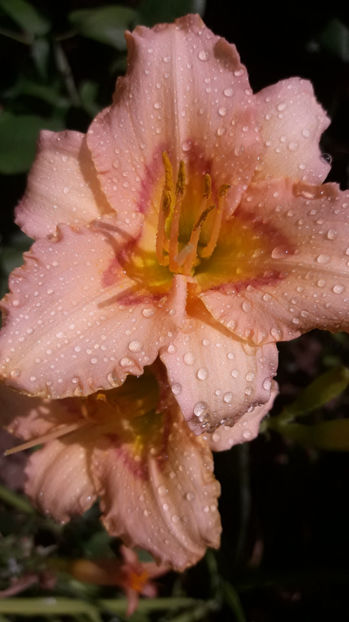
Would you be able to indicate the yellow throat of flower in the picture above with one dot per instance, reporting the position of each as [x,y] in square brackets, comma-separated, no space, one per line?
[180,255]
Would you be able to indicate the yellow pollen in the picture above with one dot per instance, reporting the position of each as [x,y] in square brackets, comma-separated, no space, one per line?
[168,240]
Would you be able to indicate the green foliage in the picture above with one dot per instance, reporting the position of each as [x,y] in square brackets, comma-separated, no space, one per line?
[324,388]
[152,11]
[18,135]
[330,435]
[106,24]
[25,15]
[335,39]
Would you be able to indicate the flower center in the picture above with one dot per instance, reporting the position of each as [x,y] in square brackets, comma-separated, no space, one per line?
[174,247]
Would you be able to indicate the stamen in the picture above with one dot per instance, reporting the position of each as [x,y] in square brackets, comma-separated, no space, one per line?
[207,250]
[192,245]
[164,211]
[174,232]
[57,433]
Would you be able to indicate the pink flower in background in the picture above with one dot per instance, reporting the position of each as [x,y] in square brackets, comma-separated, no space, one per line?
[131,448]
[188,223]
[131,575]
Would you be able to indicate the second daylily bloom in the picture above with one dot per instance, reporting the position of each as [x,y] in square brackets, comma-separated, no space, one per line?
[131,448]
[188,223]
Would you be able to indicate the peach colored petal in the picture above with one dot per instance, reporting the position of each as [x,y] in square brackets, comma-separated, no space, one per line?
[30,417]
[291,122]
[215,377]
[167,503]
[59,481]
[246,429]
[185,92]
[75,323]
[62,186]
[306,283]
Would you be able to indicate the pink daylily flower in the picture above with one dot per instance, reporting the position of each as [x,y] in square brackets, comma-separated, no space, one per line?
[131,575]
[131,448]
[189,223]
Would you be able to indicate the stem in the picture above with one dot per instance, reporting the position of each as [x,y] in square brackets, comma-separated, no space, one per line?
[71,606]
[15,500]
[67,75]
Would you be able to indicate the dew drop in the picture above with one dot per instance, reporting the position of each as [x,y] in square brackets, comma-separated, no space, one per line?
[202,373]
[228,397]
[147,312]
[228,92]
[222,111]
[338,289]
[176,388]
[331,234]
[250,376]
[125,362]
[203,55]
[279,251]
[200,409]
[186,145]
[266,384]
[134,346]
[188,358]
[234,373]
[323,259]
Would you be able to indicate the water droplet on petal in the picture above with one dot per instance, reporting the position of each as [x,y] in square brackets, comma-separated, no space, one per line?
[134,346]
[338,289]
[203,55]
[202,373]
[176,388]
[200,408]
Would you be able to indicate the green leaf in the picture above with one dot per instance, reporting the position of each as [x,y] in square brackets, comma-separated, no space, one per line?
[154,11]
[26,16]
[105,24]
[327,435]
[40,51]
[324,388]
[335,38]
[233,601]
[18,136]
[88,92]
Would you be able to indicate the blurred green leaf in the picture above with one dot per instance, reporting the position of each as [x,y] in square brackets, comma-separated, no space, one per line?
[18,136]
[88,92]
[26,16]
[335,38]
[328,435]
[40,52]
[154,11]
[324,388]
[48,93]
[233,601]
[105,24]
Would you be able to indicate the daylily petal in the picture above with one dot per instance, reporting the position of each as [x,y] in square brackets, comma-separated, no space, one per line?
[30,417]
[62,186]
[302,284]
[215,377]
[291,122]
[75,322]
[246,429]
[174,69]
[164,501]
[59,482]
